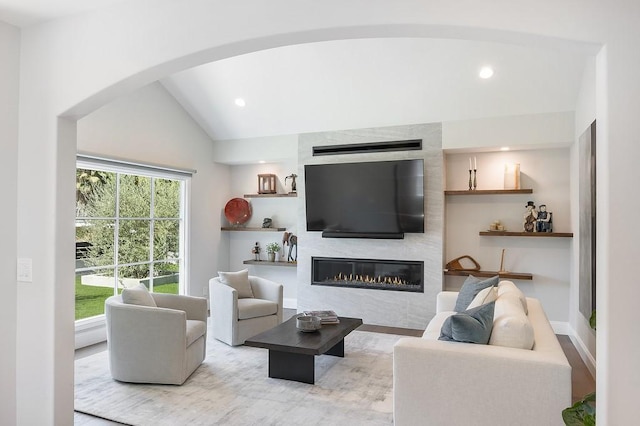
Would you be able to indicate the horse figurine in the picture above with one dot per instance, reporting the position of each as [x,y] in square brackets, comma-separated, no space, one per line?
[292,241]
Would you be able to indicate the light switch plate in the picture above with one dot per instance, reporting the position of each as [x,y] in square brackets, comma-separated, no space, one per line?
[25,270]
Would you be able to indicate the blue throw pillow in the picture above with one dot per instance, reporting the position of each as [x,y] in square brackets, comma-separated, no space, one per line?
[472,326]
[471,287]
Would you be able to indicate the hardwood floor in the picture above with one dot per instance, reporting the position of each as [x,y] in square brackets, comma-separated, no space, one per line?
[581,380]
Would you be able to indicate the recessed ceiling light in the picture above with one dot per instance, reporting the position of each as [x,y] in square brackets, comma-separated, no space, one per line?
[504,148]
[240,102]
[486,72]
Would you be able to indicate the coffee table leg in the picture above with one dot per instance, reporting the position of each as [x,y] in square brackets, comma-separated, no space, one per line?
[291,366]
[337,349]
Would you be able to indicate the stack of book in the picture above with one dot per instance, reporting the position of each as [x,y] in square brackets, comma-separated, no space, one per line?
[326,317]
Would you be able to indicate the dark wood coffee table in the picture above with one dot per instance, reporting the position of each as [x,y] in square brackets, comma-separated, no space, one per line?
[292,352]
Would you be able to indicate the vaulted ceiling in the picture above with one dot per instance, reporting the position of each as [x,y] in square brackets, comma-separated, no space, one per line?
[374,82]
[355,83]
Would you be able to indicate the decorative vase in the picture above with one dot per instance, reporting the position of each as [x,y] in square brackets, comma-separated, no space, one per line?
[272,257]
[512,176]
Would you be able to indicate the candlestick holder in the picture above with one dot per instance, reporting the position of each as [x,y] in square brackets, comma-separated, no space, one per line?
[475,183]
[470,181]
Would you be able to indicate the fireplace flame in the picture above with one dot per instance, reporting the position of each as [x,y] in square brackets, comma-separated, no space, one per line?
[366,279]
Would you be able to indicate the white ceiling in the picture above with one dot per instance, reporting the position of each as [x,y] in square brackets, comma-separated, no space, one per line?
[23,13]
[354,83]
[374,82]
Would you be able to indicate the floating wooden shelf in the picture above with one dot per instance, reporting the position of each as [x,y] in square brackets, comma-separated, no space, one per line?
[526,234]
[489,191]
[270,195]
[267,263]
[488,274]
[239,228]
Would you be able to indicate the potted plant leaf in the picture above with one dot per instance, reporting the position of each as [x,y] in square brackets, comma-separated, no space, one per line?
[272,249]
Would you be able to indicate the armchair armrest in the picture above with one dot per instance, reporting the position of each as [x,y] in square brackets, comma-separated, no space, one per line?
[266,289]
[224,309]
[195,307]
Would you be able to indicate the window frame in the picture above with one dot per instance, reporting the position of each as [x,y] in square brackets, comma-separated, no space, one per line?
[153,172]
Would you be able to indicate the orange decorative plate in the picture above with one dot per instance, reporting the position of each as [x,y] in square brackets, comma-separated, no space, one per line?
[237,211]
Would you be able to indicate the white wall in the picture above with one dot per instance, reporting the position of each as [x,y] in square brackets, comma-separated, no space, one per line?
[72,66]
[149,126]
[545,171]
[9,78]
[551,129]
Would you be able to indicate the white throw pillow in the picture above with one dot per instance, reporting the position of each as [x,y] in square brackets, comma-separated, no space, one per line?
[511,326]
[138,295]
[485,296]
[509,286]
[239,281]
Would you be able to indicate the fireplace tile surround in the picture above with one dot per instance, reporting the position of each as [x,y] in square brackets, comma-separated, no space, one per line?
[409,309]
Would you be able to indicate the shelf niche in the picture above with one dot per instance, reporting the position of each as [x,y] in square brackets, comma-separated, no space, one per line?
[489,274]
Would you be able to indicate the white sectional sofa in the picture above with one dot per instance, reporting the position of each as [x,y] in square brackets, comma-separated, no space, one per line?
[439,382]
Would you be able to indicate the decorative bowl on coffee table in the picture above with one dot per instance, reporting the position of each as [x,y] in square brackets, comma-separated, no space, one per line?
[308,324]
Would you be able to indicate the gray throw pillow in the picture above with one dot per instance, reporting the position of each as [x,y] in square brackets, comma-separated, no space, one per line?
[472,326]
[238,280]
[138,295]
[471,287]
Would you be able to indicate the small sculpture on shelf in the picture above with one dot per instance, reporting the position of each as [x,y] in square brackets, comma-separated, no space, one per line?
[293,177]
[496,226]
[544,220]
[456,265]
[292,241]
[267,222]
[256,251]
[530,217]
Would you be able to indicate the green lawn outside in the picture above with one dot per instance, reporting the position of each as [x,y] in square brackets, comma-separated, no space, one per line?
[90,299]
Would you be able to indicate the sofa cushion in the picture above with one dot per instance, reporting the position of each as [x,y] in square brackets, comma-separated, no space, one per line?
[471,326]
[509,286]
[432,332]
[239,281]
[195,330]
[471,287]
[511,326]
[487,295]
[254,308]
[138,295]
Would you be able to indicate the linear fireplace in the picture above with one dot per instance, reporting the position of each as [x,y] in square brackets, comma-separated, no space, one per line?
[398,275]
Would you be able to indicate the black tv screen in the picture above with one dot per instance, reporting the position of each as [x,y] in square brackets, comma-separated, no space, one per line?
[382,197]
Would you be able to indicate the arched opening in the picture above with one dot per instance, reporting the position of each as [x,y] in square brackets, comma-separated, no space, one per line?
[67,140]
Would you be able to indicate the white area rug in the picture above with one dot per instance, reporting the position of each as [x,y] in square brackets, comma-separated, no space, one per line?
[232,387]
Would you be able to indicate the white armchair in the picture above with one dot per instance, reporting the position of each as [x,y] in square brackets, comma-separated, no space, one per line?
[156,344]
[235,318]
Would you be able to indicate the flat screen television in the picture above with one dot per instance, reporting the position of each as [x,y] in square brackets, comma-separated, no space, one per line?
[381,199]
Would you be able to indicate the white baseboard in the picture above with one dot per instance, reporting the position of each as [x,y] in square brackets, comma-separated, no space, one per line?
[589,360]
[565,328]
[561,327]
[87,336]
